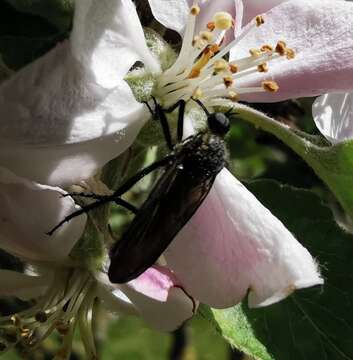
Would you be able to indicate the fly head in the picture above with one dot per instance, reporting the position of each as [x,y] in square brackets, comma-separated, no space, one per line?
[218,123]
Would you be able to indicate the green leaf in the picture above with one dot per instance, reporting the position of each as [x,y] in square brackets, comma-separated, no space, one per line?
[332,163]
[234,326]
[312,323]
[57,12]
[24,36]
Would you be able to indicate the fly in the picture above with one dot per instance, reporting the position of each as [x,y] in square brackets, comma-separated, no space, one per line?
[188,174]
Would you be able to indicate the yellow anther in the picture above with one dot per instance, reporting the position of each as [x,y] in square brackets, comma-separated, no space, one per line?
[255,53]
[263,67]
[197,94]
[281,48]
[41,317]
[214,49]
[199,42]
[270,86]
[201,63]
[206,35]
[223,20]
[290,53]
[194,73]
[25,333]
[211,26]
[259,20]
[16,321]
[195,10]
[233,68]
[233,96]
[220,65]
[228,81]
[266,48]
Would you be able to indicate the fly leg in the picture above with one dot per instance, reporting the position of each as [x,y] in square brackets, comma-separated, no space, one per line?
[180,129]
[115,197]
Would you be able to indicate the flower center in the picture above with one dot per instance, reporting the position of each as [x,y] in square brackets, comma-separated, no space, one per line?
[201,70]
[68,301]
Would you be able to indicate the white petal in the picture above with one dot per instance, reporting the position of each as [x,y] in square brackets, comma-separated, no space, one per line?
[108,39]
[233,245]
[160,299]
[333,116]
[171,13]
[28,211]
[22,286]
[58,127]
[114,300]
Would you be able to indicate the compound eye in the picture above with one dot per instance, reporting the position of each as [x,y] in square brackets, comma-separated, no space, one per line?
[218,124]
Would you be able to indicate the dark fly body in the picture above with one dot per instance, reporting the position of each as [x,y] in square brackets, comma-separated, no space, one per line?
[188,173]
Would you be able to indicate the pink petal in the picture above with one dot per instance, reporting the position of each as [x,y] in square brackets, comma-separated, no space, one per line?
[253,8]
[28,211]
[322,37]
[233,245]
[333,116]
[160,299]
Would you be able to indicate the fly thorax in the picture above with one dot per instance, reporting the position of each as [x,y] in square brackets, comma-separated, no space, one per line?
[204,157]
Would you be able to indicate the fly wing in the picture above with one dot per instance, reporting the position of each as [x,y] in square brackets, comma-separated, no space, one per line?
[172,202]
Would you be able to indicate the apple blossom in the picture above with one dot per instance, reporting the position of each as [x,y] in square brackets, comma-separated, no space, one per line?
[76,106]
[201,72]
[63,286]
[71,108]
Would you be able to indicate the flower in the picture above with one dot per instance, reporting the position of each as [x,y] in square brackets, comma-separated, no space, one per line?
[71,108]
[319,64]
[65,288]
[239,245]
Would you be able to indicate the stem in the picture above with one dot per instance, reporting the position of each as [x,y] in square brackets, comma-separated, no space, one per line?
[297,140]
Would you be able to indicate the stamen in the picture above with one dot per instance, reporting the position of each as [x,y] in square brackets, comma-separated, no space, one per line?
[220,66]
[233,96]
[201,71]
[195,10]
[211,26]
[41,316]
[202,62]
[223,20]
[263,67]
[197,94]
[266,48]
[270,86]
[281,48]
[206,35]
[259,20]
[255,53]
[233,68]
[290,54]
[228,81]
